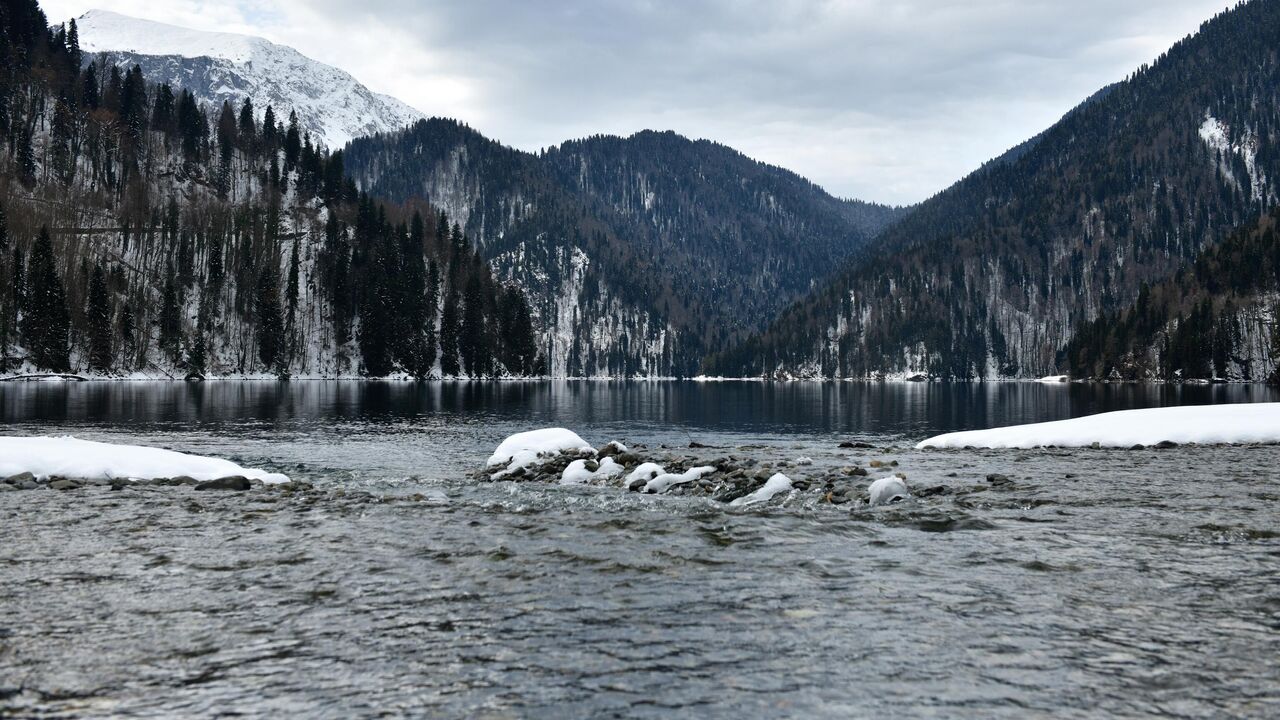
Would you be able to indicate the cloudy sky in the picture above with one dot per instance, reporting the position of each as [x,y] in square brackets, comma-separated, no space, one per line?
[885,100]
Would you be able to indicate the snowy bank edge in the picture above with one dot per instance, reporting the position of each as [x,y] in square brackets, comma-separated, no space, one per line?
[1231,424]
[66,456]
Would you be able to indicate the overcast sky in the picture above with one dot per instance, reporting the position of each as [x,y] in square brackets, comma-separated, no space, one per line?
[885,100]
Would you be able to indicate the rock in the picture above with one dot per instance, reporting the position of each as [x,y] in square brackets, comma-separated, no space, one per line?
[61,483]
[1139,446]
[696,445]
[184,480]
[933,490]
[850,445]
[877,463]
[858,472]
[20,479]
[1165,445]
[227,483]
[6,487]
[998,479]
[613,449]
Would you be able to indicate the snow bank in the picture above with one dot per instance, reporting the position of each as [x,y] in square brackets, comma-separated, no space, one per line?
[1208,424]
[1052,379]
[887,490]
[69,457]
[773,486]
[663,483]
[526,448]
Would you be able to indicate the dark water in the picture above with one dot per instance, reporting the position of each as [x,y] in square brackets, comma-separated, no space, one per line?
[1126,583]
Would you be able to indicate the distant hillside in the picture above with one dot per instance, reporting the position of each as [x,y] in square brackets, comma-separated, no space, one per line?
[991,277]
[223,67]
[1220,319]
[640,253]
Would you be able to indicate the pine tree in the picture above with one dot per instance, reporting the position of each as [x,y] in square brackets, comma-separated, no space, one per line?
[450,328]
[170,318]
[291,290]
[6,309]
[474,342]
[292,143]
[98,313]
[46,324]
[270,326]
[520,350]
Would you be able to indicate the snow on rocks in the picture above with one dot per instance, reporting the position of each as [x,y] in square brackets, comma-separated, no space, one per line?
[582,472]
[71,458]
[528,448]
[643,474]
[1206,425]
[665,482]
[887,490]
[775,485]
[559,456]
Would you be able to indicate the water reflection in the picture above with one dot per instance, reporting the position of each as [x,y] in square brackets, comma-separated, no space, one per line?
[746,407]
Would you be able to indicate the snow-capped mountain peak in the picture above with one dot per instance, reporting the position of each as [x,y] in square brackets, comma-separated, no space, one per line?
[216,66]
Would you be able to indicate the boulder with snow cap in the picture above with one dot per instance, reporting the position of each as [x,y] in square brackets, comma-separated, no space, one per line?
[643,474]
[888,490]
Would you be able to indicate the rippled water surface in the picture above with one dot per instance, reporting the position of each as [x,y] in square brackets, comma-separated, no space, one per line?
[1097,582]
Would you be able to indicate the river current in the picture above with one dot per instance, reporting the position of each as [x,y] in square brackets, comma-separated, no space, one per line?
[1094,582]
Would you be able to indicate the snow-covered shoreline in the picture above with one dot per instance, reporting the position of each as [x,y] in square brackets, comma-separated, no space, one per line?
[1232,424]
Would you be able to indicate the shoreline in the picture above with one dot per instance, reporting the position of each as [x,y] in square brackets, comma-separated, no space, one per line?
[405,379]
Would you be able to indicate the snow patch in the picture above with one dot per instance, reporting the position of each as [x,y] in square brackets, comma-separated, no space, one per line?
[663,483]
[773,486]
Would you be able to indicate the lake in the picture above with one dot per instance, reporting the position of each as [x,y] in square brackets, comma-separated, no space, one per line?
[1095,581]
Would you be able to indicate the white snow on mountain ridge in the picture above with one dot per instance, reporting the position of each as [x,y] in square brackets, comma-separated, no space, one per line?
[331,105]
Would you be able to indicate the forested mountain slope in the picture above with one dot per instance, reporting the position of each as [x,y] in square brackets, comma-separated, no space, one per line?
[640,254]
[990,277]
[1219,319]
[143,233]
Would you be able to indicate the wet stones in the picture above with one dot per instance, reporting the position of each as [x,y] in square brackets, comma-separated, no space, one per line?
[235,483]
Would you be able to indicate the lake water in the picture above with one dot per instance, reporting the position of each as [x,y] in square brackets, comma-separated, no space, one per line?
[1096,582]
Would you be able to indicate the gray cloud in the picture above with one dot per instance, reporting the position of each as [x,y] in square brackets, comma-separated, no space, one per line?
[888,100]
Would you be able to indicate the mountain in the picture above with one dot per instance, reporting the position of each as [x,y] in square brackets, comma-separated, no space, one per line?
[143,234]
[639,254]
[991,277]
[331,105]
[1218,319]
